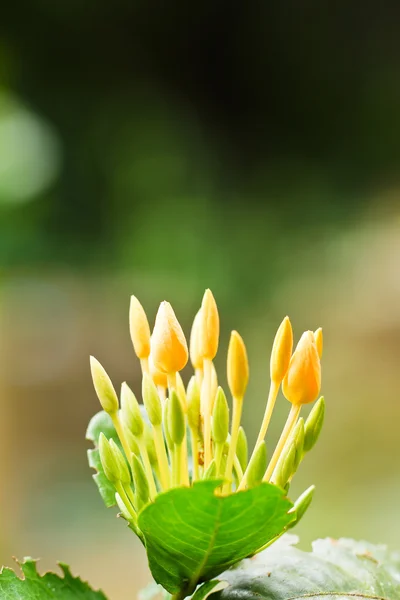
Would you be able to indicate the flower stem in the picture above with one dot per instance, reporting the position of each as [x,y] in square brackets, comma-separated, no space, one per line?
[122,438]
[195,455]
[206,411]
[287,430]
[165,475]
[236,416]
[147,467]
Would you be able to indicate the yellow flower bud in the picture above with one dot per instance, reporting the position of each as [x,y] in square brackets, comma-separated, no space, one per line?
[319,341]
[238,366]
[302,381]
[168,344]
[209,330]
[281,351]
[195,342]
[159,378]
[139,329]
[104,387]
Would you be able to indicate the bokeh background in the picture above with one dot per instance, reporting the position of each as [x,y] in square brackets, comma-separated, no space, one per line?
[161,148]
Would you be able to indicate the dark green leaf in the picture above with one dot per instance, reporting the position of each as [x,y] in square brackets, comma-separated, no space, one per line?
[335,568]
[47,587]
[192,535]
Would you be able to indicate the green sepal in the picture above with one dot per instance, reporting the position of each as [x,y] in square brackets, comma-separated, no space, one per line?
[257,465]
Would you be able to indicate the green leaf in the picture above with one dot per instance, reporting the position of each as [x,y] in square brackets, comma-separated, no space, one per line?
[44,587]
[101,423]
[192,535]
[335,568]
[208,588]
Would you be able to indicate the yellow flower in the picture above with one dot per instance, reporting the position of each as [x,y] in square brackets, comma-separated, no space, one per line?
[302,381]
[319,341]
[281,351]
[159,378]
[238,366]
[209,328]
[139,329]
[168,344]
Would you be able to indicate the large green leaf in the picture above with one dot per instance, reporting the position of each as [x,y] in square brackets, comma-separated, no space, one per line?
[192,534]
[47,587]
[336,568]
[101,423]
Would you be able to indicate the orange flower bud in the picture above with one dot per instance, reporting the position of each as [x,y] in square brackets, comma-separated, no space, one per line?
[281,351]
[238,366]
[319,341]
[209,329]
[302,381]
[195,341]
[168,344]
[160,379]
[139,329]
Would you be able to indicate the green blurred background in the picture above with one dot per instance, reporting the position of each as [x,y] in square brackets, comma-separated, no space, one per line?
[161,148]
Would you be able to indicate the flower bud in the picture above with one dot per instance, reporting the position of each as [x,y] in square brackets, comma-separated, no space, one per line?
[242,448]
[124,511]
[160,379]
[124,474]
[168,438]
[142,493]
[238,366]
[104,388]
[151,400]
[314,424]
[132,443]
[150,446]
[301,505]
[130,411]
[139,329]
[284,468]
[302,381]
[168,344]
[220,422]
[110,466]
[281,351]
[196,357]
[193,411]
[319,341]
[211,471]
[176,419]
[209,330]
[257,466]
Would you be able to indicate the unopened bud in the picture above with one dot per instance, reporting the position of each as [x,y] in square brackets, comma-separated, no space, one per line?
[314,424]
[104,388]
[319,341]
[302,381]
[257,466]
[124,474]
[176,419]
[281,351]
[242,448]
[139,329]
[193,412]
[150,446]
[124,511]
[151,400]
[238,366]
[196,356]
[284,468]
[301,505]
[142,493]
[159,378]
[168,344]
[110,466]
[130,411]
[220,422]
[132,443]
[209,329]
[211,471]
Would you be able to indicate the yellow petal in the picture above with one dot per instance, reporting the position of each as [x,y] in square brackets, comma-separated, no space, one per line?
[209,329]
[281,351]
[238,366]
[139,329]
[302,382]
[168,344]
[319,341]
[195,342]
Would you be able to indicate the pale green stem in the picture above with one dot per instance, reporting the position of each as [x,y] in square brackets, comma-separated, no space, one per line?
[238,468]
[184,460]
[122,438]
[177,464]
[206,409]
[219,449]
[195,455]
[236,416]
[147,466]
[287,430]
[144,363]
[121,491]
[165,475]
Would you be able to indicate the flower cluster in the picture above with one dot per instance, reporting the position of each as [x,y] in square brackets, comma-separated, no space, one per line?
[186,433]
